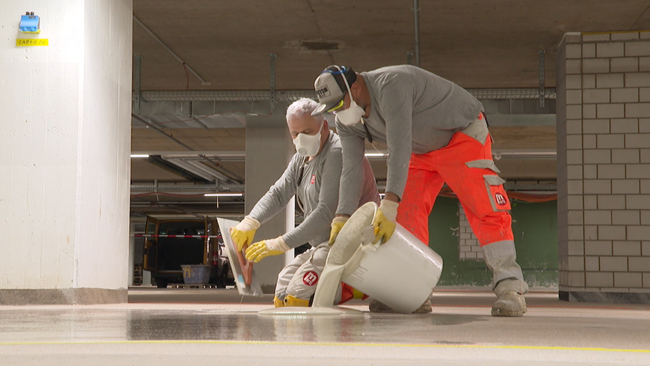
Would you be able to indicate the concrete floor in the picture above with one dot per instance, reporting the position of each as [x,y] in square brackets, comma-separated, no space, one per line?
[208,326]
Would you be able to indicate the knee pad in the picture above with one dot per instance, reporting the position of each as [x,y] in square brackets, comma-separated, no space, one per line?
[294,301]
[356,294]
[277,302]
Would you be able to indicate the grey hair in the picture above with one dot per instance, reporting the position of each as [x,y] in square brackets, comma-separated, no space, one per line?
[302,107]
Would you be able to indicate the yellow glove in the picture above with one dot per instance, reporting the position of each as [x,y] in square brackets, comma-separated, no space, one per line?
[244,232]
[385,221]
[337,225]
[266,248]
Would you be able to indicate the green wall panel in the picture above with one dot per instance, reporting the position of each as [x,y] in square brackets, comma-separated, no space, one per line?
[535,230]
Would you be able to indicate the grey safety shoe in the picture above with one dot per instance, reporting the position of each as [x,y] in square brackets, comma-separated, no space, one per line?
[509,303]
[424,308]
[379,307]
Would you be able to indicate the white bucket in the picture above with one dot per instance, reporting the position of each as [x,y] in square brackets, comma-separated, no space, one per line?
[400,273]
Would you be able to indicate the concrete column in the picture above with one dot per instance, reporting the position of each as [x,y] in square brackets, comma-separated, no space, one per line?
[268,152]
[131,254]
[603,141]
[65,144]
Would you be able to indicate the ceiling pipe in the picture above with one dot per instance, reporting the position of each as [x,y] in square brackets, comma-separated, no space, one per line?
[159,130]
[198,155]
[293,95]
[190,168]
[524,154]
[214,167]
[215,164]
[171,207]
[209,176]
[137,76]
[409,58]
[152,34]
[187,187]
[162,163]
[226,95]
[542,77]
[416,16]
[273,56]
[198,121]
[200,166]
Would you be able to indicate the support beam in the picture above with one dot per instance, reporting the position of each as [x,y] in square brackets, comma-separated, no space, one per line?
[152,34]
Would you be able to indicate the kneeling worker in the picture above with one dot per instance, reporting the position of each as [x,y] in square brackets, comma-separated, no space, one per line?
[313,176]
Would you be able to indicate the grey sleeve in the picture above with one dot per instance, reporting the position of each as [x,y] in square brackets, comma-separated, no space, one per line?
[353,170]
[279,194]
[396,102]
[319,220]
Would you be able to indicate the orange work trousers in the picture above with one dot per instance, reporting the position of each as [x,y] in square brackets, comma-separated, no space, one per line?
[466,165]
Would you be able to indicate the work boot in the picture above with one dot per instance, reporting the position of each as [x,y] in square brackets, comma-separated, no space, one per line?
[424,308]
[378,307]
[509,303]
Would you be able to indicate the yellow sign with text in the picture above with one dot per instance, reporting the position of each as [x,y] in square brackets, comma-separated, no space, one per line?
[32,42]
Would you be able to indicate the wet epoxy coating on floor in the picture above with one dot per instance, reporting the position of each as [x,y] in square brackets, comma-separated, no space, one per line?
[459,331]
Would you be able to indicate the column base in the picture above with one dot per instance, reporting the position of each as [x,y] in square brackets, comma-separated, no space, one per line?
[605,297]
[71,296]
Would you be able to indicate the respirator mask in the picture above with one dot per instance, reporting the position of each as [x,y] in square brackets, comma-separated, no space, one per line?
[353,114]
[308,145]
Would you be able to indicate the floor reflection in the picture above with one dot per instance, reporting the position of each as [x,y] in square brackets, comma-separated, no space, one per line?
[134,324]
[283,328]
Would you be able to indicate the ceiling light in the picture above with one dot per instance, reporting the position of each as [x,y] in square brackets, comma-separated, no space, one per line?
[223,194]
[139,155]
[374,154]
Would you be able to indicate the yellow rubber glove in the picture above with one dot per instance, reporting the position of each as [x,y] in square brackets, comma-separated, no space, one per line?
[266,248]
[337,225]
[385,221]
[244,232]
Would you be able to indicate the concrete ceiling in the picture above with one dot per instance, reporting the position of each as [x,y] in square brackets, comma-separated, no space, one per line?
[475,43]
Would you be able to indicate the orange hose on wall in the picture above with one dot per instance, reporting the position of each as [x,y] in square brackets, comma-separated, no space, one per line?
[525,197]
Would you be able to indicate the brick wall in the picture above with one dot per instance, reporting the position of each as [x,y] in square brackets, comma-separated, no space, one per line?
[468,245]
[603,135]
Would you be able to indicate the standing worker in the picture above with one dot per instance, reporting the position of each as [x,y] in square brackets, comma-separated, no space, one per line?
[436,133]
[313,177]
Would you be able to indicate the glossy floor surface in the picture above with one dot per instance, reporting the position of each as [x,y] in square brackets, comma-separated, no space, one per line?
[218,327]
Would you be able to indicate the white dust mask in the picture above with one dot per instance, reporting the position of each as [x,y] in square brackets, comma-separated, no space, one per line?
[352,115]
[308,145]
